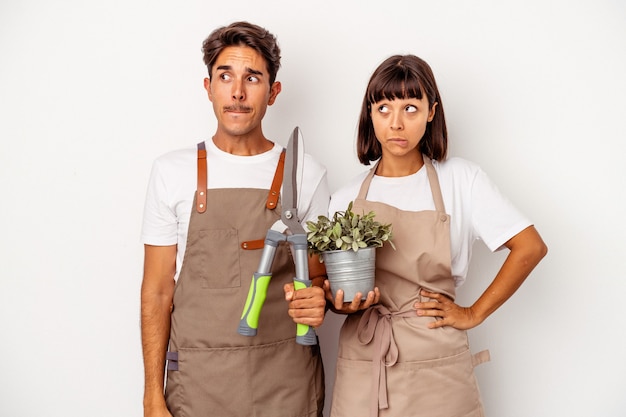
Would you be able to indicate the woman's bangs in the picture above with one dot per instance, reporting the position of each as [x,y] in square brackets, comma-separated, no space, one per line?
[397,85]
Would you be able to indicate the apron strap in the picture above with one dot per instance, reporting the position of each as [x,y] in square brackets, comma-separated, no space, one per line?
[435,189]
[433,180]
[172,361]
[480,357]
[202,179]
[366,182]
[272,201]
[272,197]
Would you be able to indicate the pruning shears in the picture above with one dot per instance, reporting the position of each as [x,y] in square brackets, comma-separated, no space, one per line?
[287,229]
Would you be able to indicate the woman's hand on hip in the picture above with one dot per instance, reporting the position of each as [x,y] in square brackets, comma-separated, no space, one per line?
[447,312]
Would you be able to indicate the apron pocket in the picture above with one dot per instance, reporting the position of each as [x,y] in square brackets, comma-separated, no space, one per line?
[209,380]
[431,388]
[212,258]
[447,385]
[352,390]
[264,381]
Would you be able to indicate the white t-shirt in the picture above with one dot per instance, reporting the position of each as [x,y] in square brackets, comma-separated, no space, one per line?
[173,183]
[476,207]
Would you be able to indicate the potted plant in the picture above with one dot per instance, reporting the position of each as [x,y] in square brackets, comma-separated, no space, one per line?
[347,245]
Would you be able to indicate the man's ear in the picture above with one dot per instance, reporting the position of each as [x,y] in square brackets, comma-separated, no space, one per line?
[207,87]
[274,91]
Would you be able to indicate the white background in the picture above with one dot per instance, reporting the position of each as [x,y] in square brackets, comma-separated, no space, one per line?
[91,92]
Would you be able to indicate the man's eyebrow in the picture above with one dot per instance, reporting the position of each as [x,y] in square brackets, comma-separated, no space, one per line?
[253,71]
[248,69]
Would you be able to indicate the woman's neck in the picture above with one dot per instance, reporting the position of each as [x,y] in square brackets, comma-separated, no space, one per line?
[392,166]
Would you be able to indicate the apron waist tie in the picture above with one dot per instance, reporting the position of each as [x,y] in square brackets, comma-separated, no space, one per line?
[375,325]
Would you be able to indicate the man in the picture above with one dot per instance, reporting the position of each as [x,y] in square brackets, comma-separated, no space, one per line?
[202,248]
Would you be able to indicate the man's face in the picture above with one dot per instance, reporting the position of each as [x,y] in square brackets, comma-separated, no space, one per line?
[240,91]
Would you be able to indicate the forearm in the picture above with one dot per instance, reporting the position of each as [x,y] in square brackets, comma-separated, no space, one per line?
[527,249]
[155,329]
[157,292]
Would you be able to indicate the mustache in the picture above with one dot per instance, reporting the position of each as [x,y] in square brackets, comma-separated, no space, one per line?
[237,107]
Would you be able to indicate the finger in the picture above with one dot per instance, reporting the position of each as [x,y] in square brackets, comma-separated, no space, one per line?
[308,298]
[289,291]
[327,292]
[371,299]
[309,316]
[437,323]
[431,312]
[376,295]
[338,301]
[356,302]
[428,305]
[309,292]
[427,293]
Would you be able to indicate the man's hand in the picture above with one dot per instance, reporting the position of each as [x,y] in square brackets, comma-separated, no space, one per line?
[341,307]
[307,305]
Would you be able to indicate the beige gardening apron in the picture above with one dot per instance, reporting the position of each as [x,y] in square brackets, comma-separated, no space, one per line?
[212,369]
[389,362]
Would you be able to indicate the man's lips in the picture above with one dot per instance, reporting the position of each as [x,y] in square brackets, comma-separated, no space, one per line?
[237,109]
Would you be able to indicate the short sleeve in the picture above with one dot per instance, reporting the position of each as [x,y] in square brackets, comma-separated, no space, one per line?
[495,219]
[159,218]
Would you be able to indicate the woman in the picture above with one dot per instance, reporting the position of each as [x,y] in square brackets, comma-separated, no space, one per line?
[404,350]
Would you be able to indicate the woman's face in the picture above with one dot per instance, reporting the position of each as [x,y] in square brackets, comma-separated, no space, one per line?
[400,124]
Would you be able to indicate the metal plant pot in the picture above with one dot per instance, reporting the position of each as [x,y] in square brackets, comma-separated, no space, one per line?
[351,271]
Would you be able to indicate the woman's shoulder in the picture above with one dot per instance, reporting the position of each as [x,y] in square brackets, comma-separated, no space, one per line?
[347,192]
[353,183]
[456,169]
[456,163]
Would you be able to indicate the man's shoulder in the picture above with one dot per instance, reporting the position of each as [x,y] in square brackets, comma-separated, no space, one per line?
[177,156]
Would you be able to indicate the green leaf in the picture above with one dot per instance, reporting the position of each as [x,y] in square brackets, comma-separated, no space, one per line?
[346,230]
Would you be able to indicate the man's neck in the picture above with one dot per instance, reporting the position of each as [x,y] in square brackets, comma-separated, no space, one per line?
[242,145]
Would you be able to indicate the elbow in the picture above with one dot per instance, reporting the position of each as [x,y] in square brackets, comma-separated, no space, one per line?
[541,249]
[537,251]
[530,247]
[544,250]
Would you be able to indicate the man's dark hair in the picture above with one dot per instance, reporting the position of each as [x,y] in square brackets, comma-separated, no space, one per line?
[243,34]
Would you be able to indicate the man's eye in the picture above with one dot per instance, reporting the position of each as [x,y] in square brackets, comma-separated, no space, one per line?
[224,76]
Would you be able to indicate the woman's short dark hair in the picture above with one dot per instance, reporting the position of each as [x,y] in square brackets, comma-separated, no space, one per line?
[243,34]
[402,76]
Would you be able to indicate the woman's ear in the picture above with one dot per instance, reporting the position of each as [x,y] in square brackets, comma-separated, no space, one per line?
[431,113]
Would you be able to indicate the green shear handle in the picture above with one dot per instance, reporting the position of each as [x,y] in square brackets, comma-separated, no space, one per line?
[305,335]
[258,288]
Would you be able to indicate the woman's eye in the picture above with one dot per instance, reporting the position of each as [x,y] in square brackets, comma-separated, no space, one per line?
[411,109]
[383,109]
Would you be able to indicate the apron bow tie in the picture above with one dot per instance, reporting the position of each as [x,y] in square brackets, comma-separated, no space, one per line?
[375,325]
